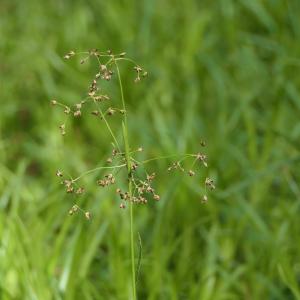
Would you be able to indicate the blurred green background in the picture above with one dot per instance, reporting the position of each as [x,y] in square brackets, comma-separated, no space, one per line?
[223,71]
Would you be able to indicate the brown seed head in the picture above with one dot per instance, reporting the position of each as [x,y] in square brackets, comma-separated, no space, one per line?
[77,113]
[156,197]
[80,191]
[191,173]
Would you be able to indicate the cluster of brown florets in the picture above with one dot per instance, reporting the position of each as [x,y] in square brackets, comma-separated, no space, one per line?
[198,157]
[72,189]
[106,62]
[75,208]
[69,184]
[142,190]
[140,73]
[108,180]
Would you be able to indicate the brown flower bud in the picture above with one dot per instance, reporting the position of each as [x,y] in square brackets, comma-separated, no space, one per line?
[191,173]
[156,197]
[77,113]
[70,189]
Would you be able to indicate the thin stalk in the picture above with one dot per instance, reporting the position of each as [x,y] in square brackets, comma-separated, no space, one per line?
[97,169]
[128,161]
[108,126]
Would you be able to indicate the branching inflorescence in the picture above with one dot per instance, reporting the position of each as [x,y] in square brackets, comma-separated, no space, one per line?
[140,189]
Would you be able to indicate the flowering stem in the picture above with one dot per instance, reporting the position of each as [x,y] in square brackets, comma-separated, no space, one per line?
[128,162]
[96,169]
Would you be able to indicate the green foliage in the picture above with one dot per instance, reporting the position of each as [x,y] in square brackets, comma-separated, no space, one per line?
[222,71]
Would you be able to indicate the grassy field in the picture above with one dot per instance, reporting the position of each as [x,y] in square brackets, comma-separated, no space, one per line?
[221,71]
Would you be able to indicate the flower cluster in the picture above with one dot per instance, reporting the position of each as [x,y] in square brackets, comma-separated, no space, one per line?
[197,158]
[140,188]
[75,208]
[70,184]
[106,61]
[108,180]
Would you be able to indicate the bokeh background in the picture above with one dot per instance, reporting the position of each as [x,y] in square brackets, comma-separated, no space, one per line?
[222,71]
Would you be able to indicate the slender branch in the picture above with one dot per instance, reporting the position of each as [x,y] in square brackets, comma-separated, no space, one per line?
[96,169]
[108,126]
[167,156]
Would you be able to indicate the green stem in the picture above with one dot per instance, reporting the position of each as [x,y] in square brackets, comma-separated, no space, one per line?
[128,161]
[108,126]
[97,169]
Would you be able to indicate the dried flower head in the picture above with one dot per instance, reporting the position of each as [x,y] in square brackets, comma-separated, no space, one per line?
[156,197]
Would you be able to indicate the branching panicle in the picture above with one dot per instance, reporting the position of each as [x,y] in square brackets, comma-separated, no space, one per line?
[140,188]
